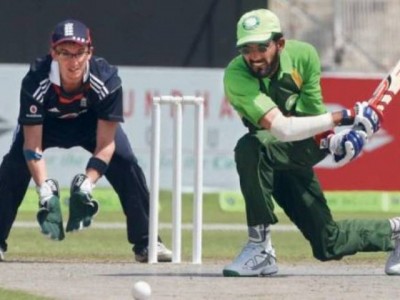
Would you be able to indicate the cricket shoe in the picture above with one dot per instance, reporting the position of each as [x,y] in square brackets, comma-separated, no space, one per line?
[163,254]
[254,260]
[2,258]
[392,266]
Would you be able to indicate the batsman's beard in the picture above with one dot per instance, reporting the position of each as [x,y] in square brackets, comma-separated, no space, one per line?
[266,69]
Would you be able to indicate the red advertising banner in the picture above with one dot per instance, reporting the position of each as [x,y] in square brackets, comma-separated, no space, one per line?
[378,166]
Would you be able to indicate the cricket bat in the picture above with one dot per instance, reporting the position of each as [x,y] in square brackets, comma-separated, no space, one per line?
[387,89]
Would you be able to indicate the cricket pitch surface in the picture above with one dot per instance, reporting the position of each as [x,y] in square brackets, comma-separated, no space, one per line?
[94,281]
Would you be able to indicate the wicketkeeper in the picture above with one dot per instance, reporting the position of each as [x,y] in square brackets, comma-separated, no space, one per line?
[72,98]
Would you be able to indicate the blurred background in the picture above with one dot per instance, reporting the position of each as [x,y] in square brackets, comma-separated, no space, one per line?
[130,32]
[350,35]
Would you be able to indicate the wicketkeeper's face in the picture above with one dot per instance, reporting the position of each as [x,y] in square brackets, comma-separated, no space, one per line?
[72,59]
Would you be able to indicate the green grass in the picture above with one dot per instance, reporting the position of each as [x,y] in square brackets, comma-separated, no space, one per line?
[18,295]
[111,245]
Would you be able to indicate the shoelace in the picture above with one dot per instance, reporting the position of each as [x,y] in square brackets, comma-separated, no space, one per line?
[248,249]
[397,245]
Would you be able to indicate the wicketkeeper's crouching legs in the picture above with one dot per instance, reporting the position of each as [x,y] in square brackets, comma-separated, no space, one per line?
[14,181]
[128,180]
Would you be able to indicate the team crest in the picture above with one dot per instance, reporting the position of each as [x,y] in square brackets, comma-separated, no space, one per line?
[69,29]
[291,101]
[84,102]
[251,23]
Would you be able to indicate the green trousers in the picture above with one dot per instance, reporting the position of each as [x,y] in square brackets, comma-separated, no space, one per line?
[269,168]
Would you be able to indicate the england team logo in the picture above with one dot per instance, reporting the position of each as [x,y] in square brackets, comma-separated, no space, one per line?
[84,102]
[69,29]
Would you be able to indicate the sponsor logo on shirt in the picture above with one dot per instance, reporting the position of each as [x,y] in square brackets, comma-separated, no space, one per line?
[33,112]
[54,110]
[33,109]
[72,115]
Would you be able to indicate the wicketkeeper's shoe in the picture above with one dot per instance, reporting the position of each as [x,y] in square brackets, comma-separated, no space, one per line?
[82,209]
[163,254]
[2,258]
[50,220]
[254,260]
[392,266]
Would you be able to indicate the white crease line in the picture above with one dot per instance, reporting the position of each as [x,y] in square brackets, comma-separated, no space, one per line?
[185,226]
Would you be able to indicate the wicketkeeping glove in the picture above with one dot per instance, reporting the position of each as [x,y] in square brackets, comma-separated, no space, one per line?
[82,206]
[345,145]
[49,215]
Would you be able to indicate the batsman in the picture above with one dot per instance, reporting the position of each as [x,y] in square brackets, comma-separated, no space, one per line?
[274,85]
[71,98]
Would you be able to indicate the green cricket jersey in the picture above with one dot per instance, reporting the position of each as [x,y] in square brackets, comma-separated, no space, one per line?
[295,88]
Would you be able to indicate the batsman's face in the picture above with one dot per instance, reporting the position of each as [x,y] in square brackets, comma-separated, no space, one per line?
[263,59]
[72,59]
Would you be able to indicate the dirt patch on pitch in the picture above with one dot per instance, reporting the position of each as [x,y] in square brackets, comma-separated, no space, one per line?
[93,281]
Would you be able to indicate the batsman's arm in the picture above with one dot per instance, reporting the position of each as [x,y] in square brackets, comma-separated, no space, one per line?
[298,128]
[33,153]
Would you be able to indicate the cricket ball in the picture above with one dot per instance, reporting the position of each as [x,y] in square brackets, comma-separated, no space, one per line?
[141,290]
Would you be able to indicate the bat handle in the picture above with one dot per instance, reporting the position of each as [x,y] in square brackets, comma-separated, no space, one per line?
[379,110]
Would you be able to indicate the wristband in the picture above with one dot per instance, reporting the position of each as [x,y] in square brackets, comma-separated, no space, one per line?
[347,117]
[97,164]
[32,155]
[322,139]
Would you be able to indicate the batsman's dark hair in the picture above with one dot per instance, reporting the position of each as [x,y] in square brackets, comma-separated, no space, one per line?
[276,36]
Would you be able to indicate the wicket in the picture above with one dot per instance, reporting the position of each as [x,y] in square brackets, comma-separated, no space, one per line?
[178,102]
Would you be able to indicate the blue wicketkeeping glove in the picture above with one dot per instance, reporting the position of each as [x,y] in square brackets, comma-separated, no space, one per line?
[346,145]
[49,215]
[82,206]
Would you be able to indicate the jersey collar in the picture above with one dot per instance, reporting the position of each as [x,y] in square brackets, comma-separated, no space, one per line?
[54,74]
[285,63]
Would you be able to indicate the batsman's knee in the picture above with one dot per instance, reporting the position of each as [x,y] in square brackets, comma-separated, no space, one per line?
[325,244]
[326,256]
[247,149]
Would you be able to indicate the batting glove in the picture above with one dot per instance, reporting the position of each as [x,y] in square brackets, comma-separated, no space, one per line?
[345,145]
[363,116]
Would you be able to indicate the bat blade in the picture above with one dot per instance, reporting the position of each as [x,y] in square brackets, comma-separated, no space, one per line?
[387,89]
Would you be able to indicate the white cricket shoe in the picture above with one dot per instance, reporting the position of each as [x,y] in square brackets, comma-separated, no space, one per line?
[254,260]
[163,254]
[392,266]
[2,255]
